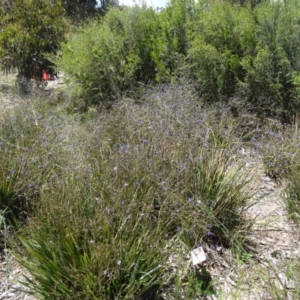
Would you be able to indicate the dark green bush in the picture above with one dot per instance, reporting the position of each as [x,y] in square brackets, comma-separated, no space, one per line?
[29,29]
[249,52]
[110,56]
[127,47]
[271,80]
[215,49]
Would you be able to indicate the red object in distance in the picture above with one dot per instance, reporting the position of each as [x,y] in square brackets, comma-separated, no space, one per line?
[46,75]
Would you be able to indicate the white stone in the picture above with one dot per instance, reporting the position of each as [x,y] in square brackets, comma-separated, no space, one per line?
[198,256]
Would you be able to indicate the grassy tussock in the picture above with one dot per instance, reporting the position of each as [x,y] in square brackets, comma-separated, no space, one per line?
[108,198]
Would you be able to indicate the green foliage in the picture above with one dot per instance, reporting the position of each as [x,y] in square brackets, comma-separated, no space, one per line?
[126,48]
[248,52]
[215,49]
[232,51]
[120,268]
[173,43]
[30,28]
[207,65]
[80,10]
[269,83]
[107,57]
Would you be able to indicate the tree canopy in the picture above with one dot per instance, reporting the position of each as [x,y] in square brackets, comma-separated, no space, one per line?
[29,28]
[79,10]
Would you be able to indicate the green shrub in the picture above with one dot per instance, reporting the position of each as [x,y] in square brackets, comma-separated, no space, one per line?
[108,57]
[271,74]
[209,70]
[215,49]
[248,52]
[268,83]
[125,49]
[232,51]
[29,29]
[170,58]
[95,57]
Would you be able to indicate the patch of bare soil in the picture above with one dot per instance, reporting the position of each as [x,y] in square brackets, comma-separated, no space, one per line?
[10,276]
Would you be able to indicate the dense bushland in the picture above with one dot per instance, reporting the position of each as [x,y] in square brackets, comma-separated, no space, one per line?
[125,50]
[230,50]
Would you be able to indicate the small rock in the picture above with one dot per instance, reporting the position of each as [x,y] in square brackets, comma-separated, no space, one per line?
[287,283]
[219,250]
[265,178]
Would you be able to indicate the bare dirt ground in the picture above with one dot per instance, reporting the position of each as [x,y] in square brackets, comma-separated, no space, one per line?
[275,238]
